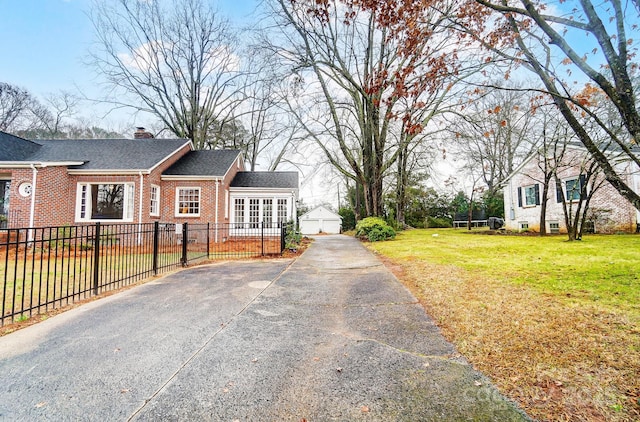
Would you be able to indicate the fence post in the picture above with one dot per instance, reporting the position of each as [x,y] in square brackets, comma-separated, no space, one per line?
[156,234]
[283,236]
[262,237]
[208,226]
[185,240]
[96,259]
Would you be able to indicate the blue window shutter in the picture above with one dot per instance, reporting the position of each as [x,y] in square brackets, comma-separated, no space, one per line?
[537,189]
[558,191]
[520,197]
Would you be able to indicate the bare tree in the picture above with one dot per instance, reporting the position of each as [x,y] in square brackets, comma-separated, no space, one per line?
[493,133]
[359,84]
[16,106]
[551,43]
[172,59]
[270,129]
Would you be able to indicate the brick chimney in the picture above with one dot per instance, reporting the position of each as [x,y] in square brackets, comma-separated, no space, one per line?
[141,133]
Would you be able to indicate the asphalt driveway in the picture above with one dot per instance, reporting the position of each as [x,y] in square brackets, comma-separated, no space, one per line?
[330,336]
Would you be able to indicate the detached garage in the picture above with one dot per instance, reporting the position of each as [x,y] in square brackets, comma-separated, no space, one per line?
[320,220]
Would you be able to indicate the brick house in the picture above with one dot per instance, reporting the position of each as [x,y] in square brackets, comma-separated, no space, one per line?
[608,210]
[140,180]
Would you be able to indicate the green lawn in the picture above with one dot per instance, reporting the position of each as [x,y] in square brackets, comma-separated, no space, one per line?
[601,269]
[555,324]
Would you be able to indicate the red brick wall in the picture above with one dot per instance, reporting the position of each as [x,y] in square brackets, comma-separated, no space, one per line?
[56,193]
[208,210]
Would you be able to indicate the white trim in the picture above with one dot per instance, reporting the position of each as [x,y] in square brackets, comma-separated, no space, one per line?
[171,155]
[217,211]
[188,178]
[41,164]
[158,190]
[524,196]
[107,172]
[32,210]
[226,204]
[264,191]
[140,197]
[236,162]
[177,201]
[125,205]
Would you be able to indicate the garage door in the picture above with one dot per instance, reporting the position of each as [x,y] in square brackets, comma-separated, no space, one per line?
[309,226]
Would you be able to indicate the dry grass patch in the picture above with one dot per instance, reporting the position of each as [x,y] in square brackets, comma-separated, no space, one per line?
[560,359]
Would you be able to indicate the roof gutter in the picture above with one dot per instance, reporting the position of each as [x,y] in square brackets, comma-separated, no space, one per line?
[38,164]
[181,177]
[103,172]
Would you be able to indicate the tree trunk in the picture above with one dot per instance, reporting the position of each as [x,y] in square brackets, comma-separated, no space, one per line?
[543,204]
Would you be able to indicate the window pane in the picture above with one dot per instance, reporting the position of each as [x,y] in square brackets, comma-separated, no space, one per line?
[130,200]
[254,212]
[530,195]
[573,189]
[189,201]
[267,212]
[155,200]
[239,211]
[107,202]
[282,211]
[5,188]
[83,201]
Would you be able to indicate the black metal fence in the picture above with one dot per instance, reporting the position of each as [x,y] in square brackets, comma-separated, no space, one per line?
[49,267]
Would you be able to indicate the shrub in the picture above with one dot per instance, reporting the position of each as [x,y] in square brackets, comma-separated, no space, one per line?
[348,218]
[293,237]
[438,223]
[374,229]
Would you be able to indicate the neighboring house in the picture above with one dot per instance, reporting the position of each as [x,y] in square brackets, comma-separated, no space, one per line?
[608,210]
[140,180]
[320,220]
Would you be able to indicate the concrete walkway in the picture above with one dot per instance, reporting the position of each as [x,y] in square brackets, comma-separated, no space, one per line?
[331,336]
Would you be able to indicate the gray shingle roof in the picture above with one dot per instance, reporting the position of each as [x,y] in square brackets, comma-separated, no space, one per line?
[14,148]
[266,179]
[214,163]
[105,154]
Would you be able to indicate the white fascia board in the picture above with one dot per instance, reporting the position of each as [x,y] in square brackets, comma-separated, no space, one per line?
[240,162]
[108,172]
[188,178]
[171,155]
[39,164]
[262,191]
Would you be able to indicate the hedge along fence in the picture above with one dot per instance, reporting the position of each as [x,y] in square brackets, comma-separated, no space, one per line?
[47,268]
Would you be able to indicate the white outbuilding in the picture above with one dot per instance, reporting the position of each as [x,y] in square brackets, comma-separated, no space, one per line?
[320,220]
